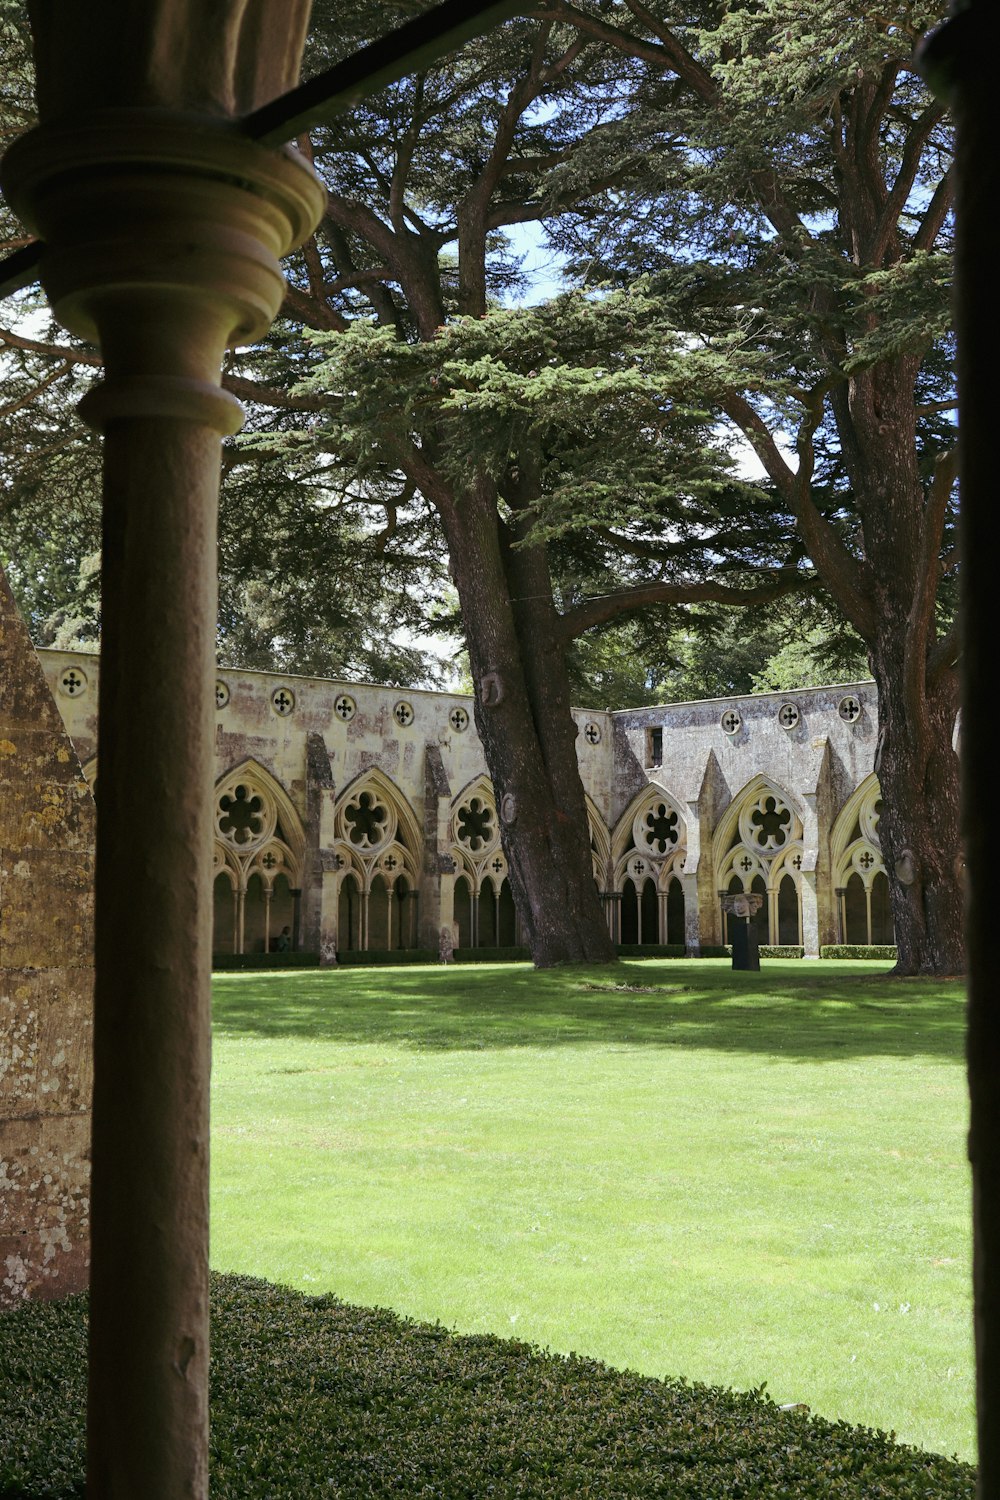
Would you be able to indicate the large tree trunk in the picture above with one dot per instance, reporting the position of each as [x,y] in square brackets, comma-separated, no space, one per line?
[522,710]
[918,773]
[916,763]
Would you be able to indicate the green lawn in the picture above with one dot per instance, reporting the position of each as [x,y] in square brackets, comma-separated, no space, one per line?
[679,1170]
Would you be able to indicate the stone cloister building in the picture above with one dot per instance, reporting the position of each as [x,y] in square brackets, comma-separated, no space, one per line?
[356,817]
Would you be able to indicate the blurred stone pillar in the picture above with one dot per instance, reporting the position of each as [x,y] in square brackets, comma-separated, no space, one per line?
[163,229]
[959,63]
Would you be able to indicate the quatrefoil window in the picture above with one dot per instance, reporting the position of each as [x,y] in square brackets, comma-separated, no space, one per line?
[242,815]
[660,832]
[73,682]
[458,719]
[476,828]
[769,821]
[366,820]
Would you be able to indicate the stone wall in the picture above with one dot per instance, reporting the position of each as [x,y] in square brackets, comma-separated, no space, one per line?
[320,740]
[46,982]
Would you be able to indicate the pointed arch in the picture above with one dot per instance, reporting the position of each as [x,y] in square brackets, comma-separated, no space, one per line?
[475,830]
[259,849]
[379,850]
[648,849]
[278,813]
[651,832]
[728,833]
[403,824]
[860,881]
[858,818]
[600,842]
[757,847]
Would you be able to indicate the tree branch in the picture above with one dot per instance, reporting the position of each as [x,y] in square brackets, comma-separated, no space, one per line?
[11,407]
[944,654]
[840,571]
[936,212]
[269,395]
[609,606]
[917,651]
[909,165]
[64,352]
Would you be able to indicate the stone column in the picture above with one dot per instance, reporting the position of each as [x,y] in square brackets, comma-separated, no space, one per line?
[809,903]
[436,908]
[163,232]
[692,914]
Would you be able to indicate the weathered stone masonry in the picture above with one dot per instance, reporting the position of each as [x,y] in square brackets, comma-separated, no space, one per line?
[46,982]
[352,816]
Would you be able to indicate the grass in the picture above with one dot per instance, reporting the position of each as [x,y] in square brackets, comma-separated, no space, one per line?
[682,1171]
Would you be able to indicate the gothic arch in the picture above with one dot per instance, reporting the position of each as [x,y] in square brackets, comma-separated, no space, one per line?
[405,826]
[757,848]
[654,825]
[600,843]
[860,880]
[484,901]
[257,858]
[475,833]
[648,849]
[378,850]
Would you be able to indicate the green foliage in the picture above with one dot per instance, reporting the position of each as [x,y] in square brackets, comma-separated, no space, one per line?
[311,1396]
[373,957]
[766,950]
[821,653]
[297,959]
[606,416]
[859,950]
[678,656]
[491,955]
[651,950]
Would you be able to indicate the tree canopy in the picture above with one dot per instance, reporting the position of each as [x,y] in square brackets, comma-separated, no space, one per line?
[752,206]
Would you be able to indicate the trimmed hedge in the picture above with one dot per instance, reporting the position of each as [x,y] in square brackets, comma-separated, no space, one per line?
[859,950]
[766,950]
[519,954]
[651,950]
[311,1397]
[353,957]
[293,960]
[514,954]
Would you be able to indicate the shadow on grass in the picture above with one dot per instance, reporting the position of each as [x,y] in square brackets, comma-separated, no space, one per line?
[790,1010]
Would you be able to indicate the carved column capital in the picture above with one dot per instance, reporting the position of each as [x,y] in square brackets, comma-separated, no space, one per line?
[163,234]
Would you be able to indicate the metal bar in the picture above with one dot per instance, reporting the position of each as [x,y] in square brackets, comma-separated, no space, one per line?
[20,269]
[405,50]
